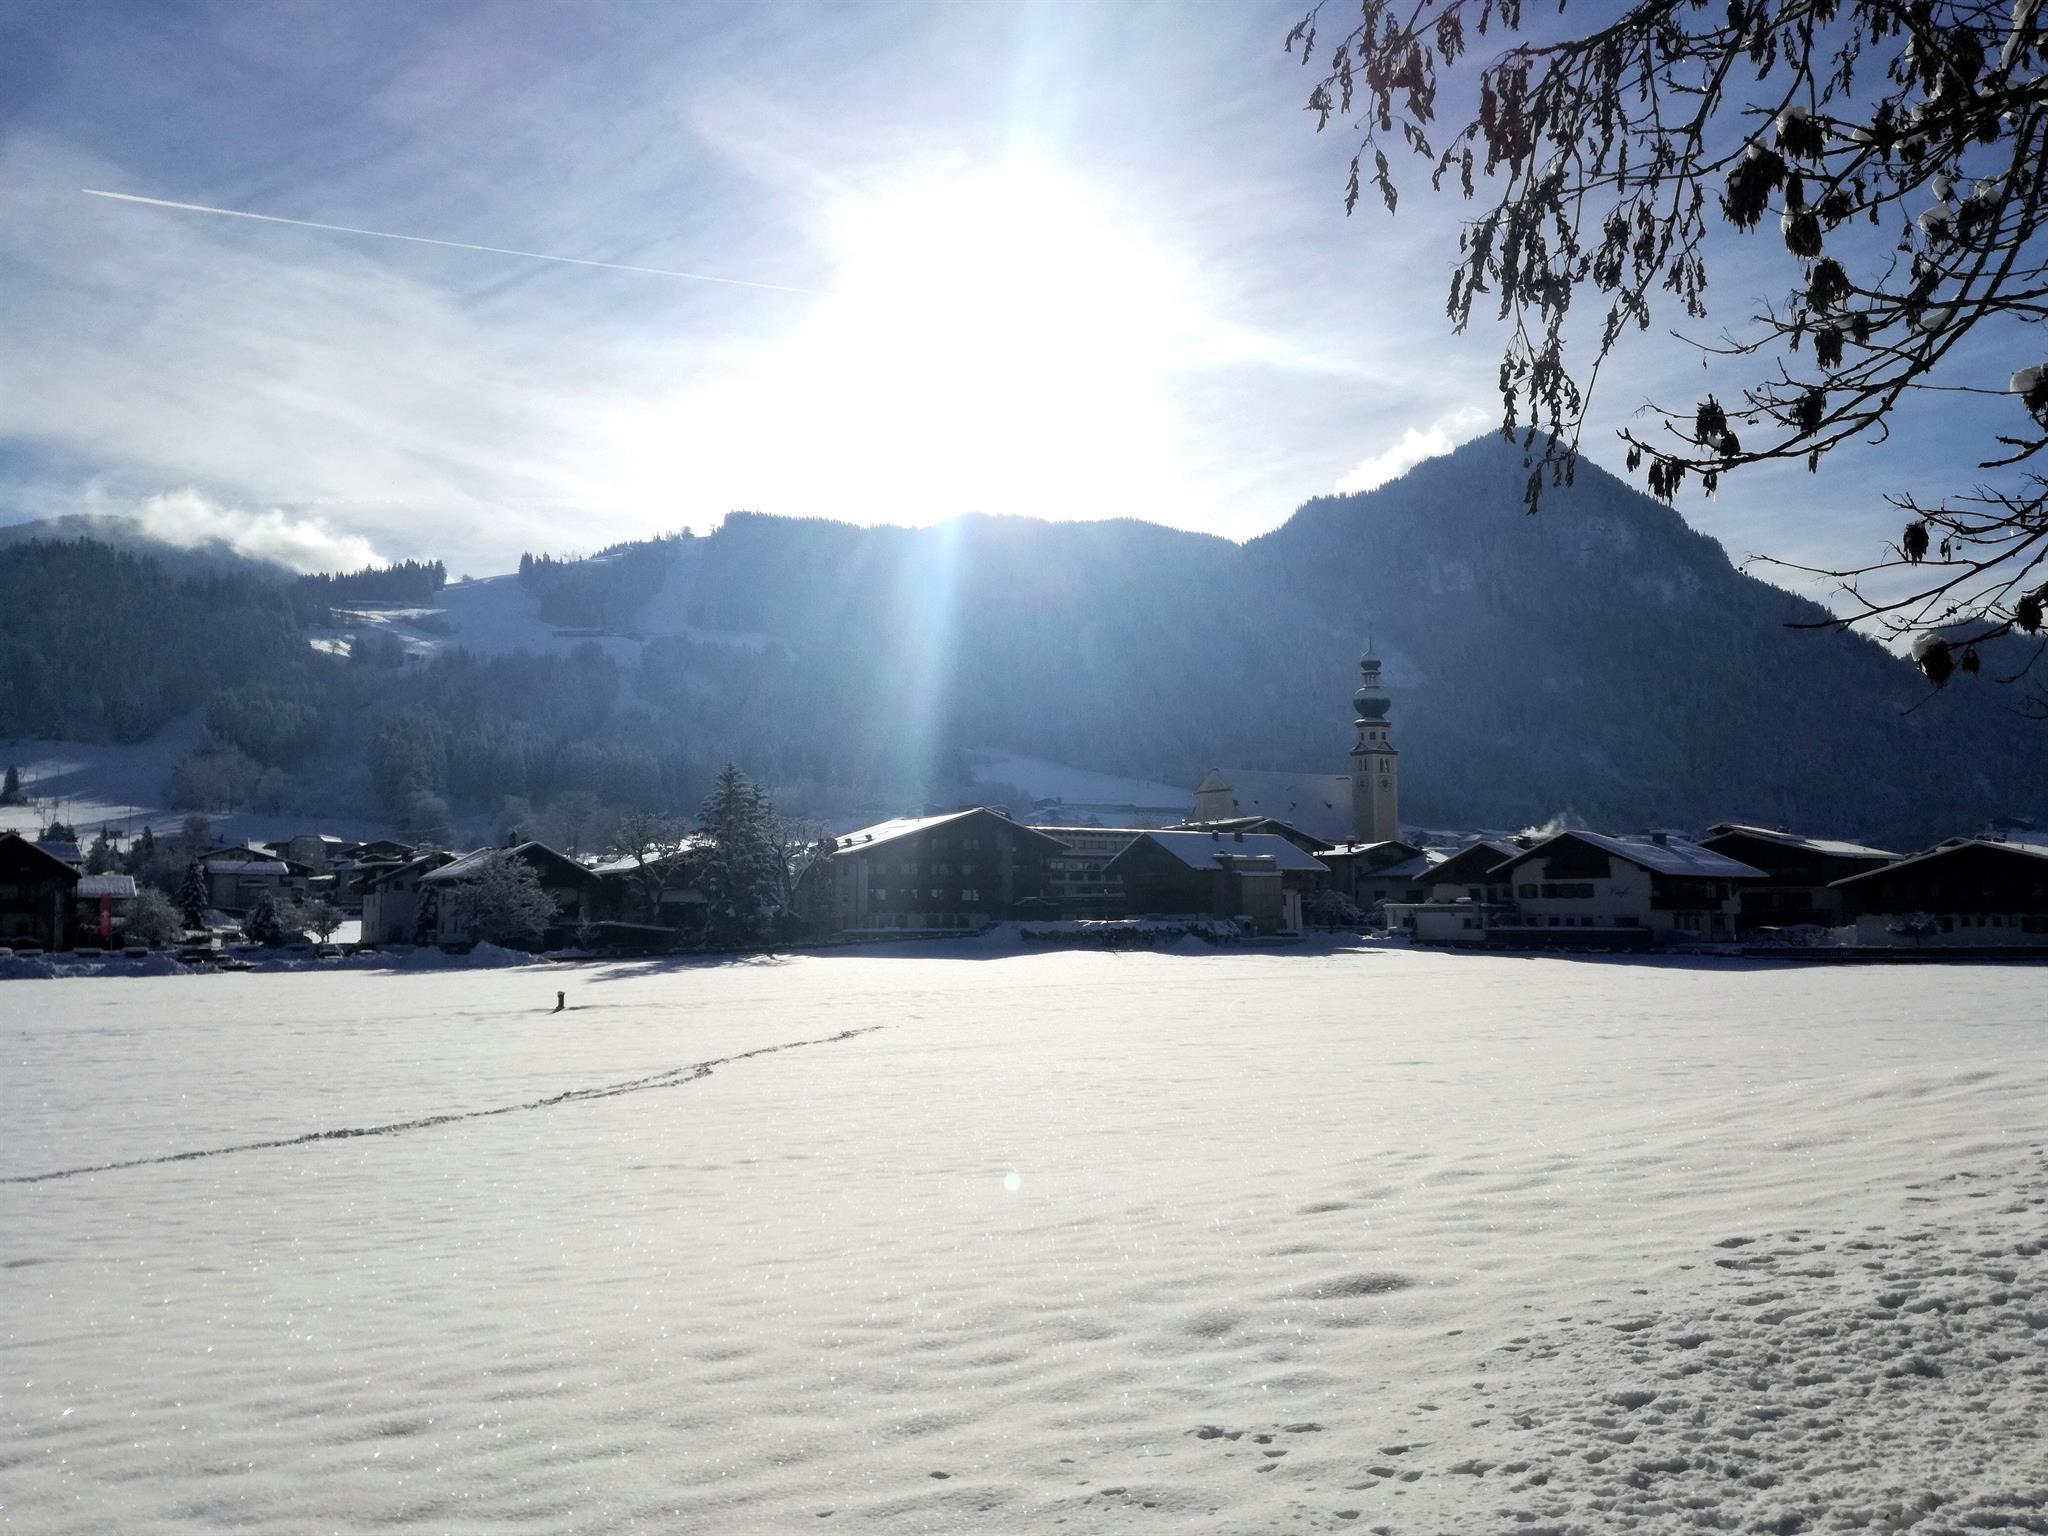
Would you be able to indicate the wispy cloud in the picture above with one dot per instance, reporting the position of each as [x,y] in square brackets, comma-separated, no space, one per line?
[1415,445]
[188,520]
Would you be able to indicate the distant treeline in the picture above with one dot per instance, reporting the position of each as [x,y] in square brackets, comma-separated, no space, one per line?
[403,581]
[605,591]
[103,645]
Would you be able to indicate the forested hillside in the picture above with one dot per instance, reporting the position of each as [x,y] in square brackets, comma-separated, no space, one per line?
[1599,658]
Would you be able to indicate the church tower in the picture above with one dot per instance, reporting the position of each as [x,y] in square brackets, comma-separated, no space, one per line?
[1375,773]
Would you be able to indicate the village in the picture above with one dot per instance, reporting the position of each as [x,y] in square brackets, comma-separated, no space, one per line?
[1258,856]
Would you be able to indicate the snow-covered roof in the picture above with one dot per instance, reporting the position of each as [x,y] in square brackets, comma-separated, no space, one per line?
[471,865]
[1672,856]
[1318,803]
[1202,850]
[1481,857]
[626,863]
[1826,845]
[68,852]
[904,826]
[219,866]
[118,887]
[2029,850]
[1407,869]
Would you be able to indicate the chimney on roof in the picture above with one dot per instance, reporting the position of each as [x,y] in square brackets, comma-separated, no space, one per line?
[1239,836]
[1661,839]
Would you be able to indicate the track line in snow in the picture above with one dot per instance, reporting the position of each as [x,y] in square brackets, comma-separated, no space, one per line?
[673,1077]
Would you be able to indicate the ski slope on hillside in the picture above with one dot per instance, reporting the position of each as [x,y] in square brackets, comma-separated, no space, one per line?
[974,1241]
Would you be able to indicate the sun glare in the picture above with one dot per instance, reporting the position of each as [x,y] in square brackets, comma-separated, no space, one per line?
[999,339]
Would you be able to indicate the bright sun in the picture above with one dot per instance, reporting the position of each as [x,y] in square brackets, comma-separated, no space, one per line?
[1002,338]
[1006,316]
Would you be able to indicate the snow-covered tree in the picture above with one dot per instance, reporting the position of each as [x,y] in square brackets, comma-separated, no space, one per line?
[152,917]
[507,903]
[1917,926]
[319,917]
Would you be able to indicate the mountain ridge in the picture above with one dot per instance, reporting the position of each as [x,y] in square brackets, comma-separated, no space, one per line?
[1600,657]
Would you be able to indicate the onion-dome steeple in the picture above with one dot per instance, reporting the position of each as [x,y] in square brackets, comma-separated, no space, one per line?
[1370,702]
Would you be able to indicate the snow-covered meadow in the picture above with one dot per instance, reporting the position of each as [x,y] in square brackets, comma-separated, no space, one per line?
[1226,1241]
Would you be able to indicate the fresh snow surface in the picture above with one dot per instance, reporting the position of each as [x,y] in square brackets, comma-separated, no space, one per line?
[967,1240]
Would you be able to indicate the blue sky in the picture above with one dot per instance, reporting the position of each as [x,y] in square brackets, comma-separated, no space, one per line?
[1064,260]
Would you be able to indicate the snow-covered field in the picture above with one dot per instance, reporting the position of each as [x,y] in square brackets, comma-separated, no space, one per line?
[1230,1242]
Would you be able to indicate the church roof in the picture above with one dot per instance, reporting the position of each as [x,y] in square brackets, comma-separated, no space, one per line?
[1317,803]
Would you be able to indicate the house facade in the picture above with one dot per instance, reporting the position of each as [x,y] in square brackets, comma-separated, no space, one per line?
[576,891]
[951,873]
[1257,875]
[390,896]
[1077,882]
[1373,874]
[1799,873]
[1972,891]
[102,905]
[238,878]
[37,892]
[1594,887]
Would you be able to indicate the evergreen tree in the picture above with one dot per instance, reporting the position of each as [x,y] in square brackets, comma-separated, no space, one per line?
[265,923]
[192,895]
[10,788]
[426,922]
[741,872]
[99,859]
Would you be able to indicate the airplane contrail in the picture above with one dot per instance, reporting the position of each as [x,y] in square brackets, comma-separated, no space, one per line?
[455,245]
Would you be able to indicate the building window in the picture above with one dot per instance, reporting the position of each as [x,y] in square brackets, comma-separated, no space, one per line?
[970,894]
[879,894]
[1525,891]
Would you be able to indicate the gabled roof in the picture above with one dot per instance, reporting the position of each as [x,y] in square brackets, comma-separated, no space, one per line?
[1318,803]
[370,876]
[472,865]
[1428,860]
[904,826]
[217,864]
[1299,836]
[1205,850]
[1478,859]
[38,857]
[629,864]
[1832,847]
[1672,856]
[67,852]
[1374,856]
[114,887]
[1955,845]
